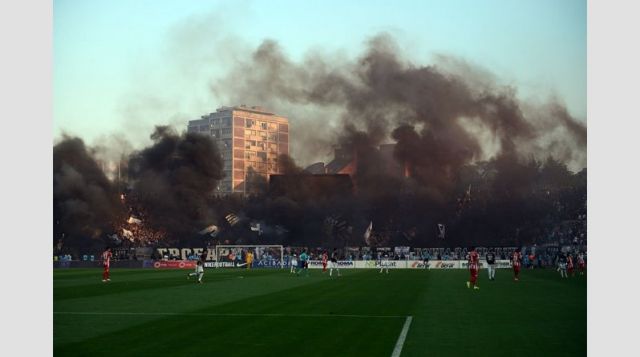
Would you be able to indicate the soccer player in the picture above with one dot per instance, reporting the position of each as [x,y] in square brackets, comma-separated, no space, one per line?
[303,263]
[106,262]
[474,260]
[491,264]
[570,265]
[562,265]
[334,262]
[294,264]
[199,272]
[249,259]
[516,262]
[384,262]
[325,257]
[581,263]
[425,259]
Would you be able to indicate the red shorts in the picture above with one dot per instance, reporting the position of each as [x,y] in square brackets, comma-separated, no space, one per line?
[474,272]
[516,268]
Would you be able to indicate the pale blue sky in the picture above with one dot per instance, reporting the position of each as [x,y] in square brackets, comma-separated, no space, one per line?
[112,56]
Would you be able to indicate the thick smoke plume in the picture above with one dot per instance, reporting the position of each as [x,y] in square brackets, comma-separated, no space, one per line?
[173,180]
[167,188]
[458,113]
[454,126]
[86,204]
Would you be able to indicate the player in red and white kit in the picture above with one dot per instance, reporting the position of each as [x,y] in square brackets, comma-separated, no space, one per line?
[516,262]
[325,259]
[581,263]
[570,265]
[474,265]
[106,260]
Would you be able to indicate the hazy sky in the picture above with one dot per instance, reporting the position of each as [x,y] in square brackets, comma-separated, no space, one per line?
[123,66]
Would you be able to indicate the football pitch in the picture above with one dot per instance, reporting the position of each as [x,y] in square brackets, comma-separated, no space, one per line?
[271,312]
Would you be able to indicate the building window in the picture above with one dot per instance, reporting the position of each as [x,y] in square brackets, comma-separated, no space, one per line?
[250,155]
[250,123]
[272,137]
[226,131]
[226,122]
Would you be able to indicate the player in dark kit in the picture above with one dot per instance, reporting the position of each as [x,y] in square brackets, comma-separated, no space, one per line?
[516,262]
[334,262]
[491,264]
[474,264]
[562,265]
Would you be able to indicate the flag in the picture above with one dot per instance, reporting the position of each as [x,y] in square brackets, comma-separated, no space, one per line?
[232,219]
[255,227]
[441,230]
[367,233]
[133,220]
[127,233]
[210,229]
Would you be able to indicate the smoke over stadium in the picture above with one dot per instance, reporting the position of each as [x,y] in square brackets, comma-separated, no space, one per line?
[453,111]
[471,153]
[85,202]
[164,195]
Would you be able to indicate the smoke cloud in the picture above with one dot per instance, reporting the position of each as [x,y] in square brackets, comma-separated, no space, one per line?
[86,204]
[460,113]
[173,180]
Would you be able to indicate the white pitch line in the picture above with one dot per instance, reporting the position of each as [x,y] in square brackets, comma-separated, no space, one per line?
[217,315]
[403,335]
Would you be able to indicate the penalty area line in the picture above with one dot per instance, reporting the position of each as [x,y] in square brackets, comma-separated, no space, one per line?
[97,313]
[403,335]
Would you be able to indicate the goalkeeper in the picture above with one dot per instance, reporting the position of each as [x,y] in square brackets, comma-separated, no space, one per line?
[304,265]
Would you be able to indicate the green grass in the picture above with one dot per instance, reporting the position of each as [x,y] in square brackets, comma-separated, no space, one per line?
[272,313]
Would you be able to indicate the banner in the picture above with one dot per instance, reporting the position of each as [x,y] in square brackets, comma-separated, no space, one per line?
[174,264]
[342,264]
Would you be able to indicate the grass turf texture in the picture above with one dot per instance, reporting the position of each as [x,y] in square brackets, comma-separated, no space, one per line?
[274,313]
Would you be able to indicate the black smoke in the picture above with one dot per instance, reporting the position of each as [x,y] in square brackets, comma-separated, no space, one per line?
[452,128]
[86,204]
[174,179]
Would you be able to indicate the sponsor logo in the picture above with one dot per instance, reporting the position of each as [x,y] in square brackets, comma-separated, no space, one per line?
[445,265]
[417,264]
[370,264]
[386,264]
[174,264]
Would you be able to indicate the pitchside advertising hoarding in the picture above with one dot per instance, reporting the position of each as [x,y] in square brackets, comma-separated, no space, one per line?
[185,263]
[407,264]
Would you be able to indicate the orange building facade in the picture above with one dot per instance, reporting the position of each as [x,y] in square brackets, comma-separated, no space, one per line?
[250,140]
